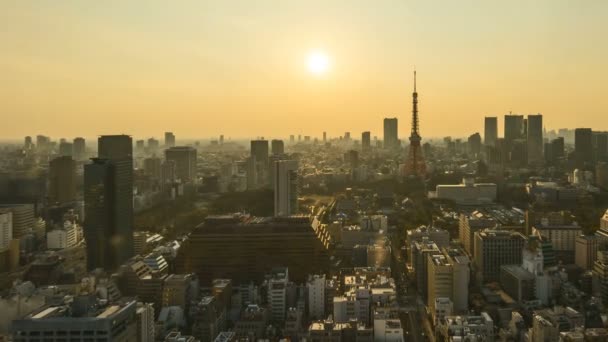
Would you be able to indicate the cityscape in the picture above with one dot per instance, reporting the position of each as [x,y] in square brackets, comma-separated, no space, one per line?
[497,232]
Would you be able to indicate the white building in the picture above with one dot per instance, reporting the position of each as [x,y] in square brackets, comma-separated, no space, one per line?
[480,327]
[277,293]
[585,251]
[6,229]
[355,304]
[316,296]
[467,192]
[63,238]
[286,187]
[387,326]
[24,219]
[145,322]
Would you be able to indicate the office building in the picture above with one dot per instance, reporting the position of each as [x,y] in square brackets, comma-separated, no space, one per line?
[169,139]
[604,221]
[468,192]
[600,272]
[77,322]
[439,236]
[315,286]
[277,293]
[245,248]
[23,218]
[252,322]
[461,276]
[586,251]
[490,131]
[209,319]
[258,173]
[259,150]
[583,147]
[6,229]
[495,248]
[474,144]
[152,168]
[184,158]
[514,128]
[440,279]
[518,282]
[391,135]
[366,142]
[108,226]
[562,230]
[179,290]
[601,175]
[535,138]
[62,180]
[144,313]
[79,149]
[286,187]
[420,253]
[277,147]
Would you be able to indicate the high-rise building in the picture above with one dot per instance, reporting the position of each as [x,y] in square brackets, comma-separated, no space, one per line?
[28,143]
[66,149]
[555,150]
[169,139]
[277,293]
[6,229]
[79,146]
[315,286]
[185,162]
[494,248]
[583,146]
[109,243]
[292,139]
[601,175]
[586,251]
[324,136]
[535,138]
[474,144]
[490,131]
[259,150]
[277,146]
[153,145]
[224,246]
[152,167]
[62,180]
[108,193]
[366,141]
[514,128]
[600,143]
[600,272]
[391,135]
[23,218]
[286,187]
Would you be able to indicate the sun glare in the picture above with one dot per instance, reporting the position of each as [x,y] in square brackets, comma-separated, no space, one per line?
[318,62]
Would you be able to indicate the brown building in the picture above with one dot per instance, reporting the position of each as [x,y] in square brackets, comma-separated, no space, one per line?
[245,248]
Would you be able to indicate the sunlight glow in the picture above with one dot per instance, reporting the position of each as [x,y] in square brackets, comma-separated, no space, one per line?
[318,62]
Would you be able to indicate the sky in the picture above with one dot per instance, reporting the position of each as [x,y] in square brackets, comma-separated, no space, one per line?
[203,68]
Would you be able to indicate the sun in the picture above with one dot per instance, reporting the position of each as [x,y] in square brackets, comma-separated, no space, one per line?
[318,62]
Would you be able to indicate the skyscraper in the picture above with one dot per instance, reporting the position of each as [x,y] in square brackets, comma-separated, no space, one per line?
[259,150]
[324,136]
[277,146]
[583,146]
[79,146]
[366,141]
[66,149]
[286,187]
[514,128]
[535,138]
[185,162]
[62,180]
[169,139]
[490,130]
[391,135]
[108,192]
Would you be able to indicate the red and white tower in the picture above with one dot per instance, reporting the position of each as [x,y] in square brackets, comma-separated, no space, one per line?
[414,164]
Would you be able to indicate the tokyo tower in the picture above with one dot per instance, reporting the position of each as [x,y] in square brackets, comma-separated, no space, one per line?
[414,164]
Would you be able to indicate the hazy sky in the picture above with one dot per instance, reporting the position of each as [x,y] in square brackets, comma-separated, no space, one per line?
[202,68]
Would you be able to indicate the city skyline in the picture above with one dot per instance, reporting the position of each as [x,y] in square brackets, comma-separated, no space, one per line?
[182,66]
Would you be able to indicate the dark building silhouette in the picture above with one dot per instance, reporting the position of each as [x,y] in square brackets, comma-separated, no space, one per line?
[490,130]
[62,180]
[535,138]
[108,194]
[514,128]
[169,139]
[366,141]
[583,147]
[79,149]
[245,248]
[277,146]
[474,143]
[259,150]
[391,135]
[185,162]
